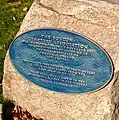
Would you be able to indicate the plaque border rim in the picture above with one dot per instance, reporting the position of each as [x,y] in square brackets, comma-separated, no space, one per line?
[65,30]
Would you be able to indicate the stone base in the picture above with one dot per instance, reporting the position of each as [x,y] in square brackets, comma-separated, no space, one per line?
[96,20]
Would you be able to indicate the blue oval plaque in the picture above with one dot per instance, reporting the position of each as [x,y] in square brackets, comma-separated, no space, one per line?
[61,61]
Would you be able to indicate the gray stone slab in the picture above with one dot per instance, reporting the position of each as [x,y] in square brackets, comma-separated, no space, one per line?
[109,1]
[0,111]
[97,20]
[112,1]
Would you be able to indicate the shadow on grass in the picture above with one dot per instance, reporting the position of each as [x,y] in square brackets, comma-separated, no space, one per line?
[7,109]
[12,112]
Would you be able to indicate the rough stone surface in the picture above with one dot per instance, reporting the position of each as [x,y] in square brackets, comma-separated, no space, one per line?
[95,19]
[0,111]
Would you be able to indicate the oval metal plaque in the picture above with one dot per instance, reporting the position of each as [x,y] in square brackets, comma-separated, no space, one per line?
[61,61]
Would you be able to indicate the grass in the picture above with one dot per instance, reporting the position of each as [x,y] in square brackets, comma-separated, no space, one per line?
[1,94]
[11,16]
